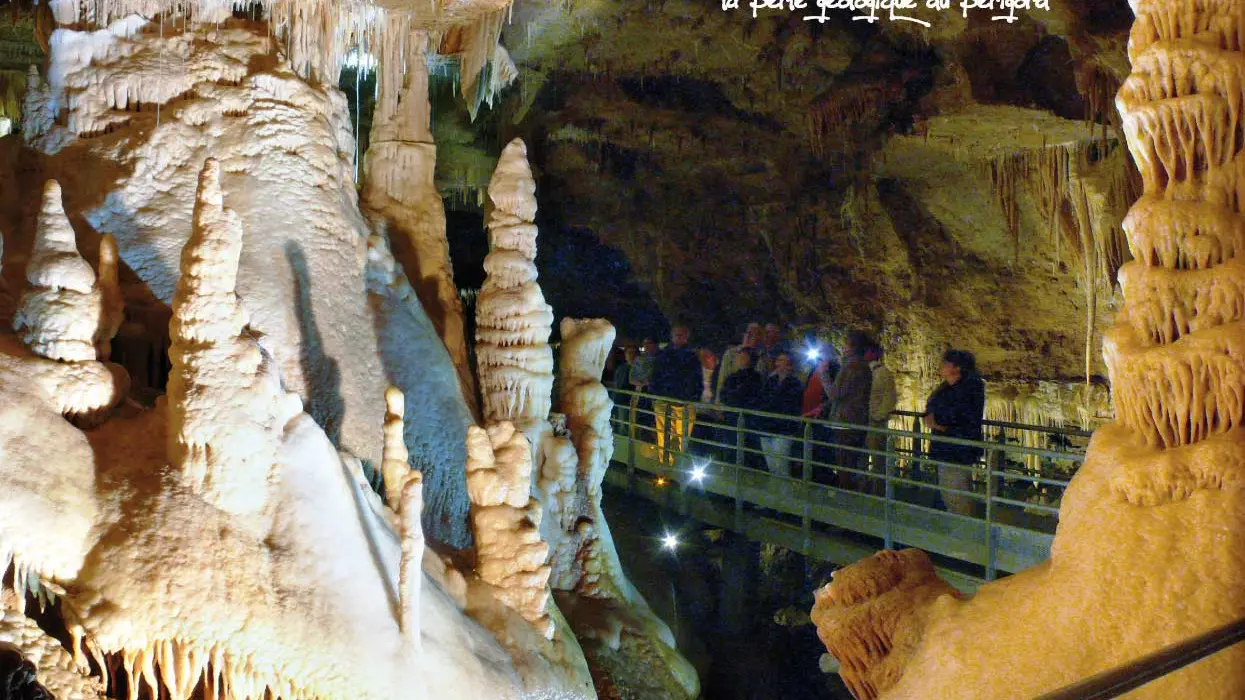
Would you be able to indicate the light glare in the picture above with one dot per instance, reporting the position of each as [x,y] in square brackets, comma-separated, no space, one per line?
[698,470]
[670,541]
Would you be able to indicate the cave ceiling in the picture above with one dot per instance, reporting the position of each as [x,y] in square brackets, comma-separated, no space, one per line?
[836,174]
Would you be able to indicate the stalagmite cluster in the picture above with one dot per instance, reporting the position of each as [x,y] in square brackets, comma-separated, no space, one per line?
[510,554]
[1148,551]
[68,316]
[513,322]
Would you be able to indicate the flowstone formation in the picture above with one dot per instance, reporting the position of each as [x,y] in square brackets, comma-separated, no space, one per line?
[126,118]
[1148,551]
[222,541]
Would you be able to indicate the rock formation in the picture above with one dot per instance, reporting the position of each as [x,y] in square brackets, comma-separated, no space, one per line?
[615,623]
[399,188]
[1148,552]
[336,314]
[513,322]
[230,543]
[510,554]
[62,315]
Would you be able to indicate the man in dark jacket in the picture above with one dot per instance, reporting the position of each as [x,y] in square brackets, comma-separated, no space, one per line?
[676,375]
[848,399]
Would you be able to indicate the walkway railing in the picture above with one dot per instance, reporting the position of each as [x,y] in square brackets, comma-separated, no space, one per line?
[838,491]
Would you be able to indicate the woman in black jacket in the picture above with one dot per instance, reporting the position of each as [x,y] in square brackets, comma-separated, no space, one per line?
[956,409]
[742,389]
[783,394]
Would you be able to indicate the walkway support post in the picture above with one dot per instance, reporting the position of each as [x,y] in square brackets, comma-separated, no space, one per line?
[631,443]
[994,466]
[739,472]
[888,506]
[806,475]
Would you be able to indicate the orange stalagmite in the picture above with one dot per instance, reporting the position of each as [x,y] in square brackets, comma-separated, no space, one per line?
[1149,550]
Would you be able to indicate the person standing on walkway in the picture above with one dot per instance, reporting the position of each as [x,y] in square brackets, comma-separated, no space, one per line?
[782,394]
[848,398]
[956,409]
[882,400]
[732,363]
[677,377]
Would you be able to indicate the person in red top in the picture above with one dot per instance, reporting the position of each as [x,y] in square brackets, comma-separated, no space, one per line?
[821,379]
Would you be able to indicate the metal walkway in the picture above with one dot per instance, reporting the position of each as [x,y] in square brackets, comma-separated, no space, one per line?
[717,469]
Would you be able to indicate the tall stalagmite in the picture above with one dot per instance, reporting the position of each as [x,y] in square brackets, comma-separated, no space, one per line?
[1150,549]
[513,322]
[227,408]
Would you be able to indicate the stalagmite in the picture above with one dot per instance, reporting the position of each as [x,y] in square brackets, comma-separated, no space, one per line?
[513,322]
[510,555]
[398,187]
[218,365]
[61,314]
[411,572]
[573,491]
[394,468]
[1147,553]
[602,605]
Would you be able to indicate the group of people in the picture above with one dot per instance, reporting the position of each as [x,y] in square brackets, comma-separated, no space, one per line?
[760,374]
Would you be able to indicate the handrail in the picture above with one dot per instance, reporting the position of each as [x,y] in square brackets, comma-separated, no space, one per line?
[1131,676]
[890,493]
[1049,429]
[1020,449]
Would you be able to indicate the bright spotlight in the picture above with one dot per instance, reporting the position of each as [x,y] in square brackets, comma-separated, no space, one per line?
[670,541]
[813,354]
[660,481]
[698,470]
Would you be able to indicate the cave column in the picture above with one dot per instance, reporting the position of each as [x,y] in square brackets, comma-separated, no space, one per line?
[398,187]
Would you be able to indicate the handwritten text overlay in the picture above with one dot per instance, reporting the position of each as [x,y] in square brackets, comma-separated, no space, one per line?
[873,10]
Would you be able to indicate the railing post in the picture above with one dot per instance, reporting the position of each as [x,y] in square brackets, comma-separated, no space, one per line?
[739,471]
[996,458]
[631,443]
[888,505]
[806,475]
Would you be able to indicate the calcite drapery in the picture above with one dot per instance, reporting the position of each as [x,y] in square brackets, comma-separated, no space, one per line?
[398,188]
[1149,548]
[513,322]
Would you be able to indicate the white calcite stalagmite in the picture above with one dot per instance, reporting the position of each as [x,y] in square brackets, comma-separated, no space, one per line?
[510,554]
[65,314]
[1149,550]
[227,408]
[394,467]
[399,190]
[573,491]
[513,322]
[60,315]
